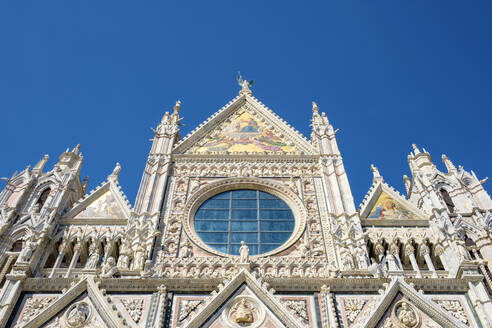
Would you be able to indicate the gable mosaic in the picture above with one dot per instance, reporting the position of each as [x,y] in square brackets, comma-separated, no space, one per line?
[245,223]
[105,206]
[245,133]
[387,208]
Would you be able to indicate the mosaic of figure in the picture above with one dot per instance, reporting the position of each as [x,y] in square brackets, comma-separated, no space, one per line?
[387,208]
[244,134]
[105,206]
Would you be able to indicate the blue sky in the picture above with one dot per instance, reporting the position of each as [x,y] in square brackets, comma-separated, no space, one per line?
[387,73]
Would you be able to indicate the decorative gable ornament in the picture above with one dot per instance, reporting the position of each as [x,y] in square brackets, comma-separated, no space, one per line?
[384,206]
[242,310]
[244,126]
[106,202]
[407,312]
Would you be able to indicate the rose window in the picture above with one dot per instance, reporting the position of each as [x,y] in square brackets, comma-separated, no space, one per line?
[263,221]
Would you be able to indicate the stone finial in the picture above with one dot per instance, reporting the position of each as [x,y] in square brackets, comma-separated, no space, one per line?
[116,171]
[415,149]
[315,108]
[376,177]
[39,167]
[177,107]
[407,182]
[85,183]
[76,149]
[449,165]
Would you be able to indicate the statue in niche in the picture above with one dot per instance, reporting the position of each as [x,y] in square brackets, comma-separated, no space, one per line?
[186,249]
[243,313]
[109,268]
[361,257]
[243,253]
[391,260]
[94,256]
[28,249]
[139,262]
[406,315]
[124,258]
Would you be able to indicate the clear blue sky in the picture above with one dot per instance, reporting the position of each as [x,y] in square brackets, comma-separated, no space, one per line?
[387,73]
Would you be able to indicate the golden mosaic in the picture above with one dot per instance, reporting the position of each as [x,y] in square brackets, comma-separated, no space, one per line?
[244,134]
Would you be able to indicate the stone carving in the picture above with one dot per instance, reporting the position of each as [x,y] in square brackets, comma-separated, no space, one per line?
[352,307]
[346,258]
[28,249]
[243,312]
[34,306]
[243,253]
[134,308]
[303,249]
[187,307]
[299,307]
[94,255]
[388,323]
[405,315]
[78,315]
[125,253]
[186,249]
[109,268]
[455,308]
[361,256]
[139,262]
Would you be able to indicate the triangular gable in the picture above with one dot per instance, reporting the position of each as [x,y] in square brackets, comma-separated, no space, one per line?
[245,125]
[106,202]
[417,300]
[226,290]
[112,318]
[384,206]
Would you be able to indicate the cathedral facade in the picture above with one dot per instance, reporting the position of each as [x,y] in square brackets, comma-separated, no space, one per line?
[244,222]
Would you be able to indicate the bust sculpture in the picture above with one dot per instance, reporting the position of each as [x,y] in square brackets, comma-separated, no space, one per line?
[243,313]
[407,316]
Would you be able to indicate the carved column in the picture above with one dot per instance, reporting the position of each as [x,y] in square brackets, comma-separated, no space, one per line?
[410,252]
[8,297]
[395,251]
[425,253]
[74,260]
[62,249]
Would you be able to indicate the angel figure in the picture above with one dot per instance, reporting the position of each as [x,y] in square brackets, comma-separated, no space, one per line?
[244,83]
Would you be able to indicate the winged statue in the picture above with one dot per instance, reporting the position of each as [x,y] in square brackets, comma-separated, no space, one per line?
[244,83]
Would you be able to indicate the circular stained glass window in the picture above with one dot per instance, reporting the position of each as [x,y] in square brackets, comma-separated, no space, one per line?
[263,221]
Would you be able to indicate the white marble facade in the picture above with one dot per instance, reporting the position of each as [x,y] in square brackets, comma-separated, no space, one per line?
[73,258]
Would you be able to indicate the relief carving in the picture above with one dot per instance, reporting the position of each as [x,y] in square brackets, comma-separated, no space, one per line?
[34,306]
[455,308]
[352,307]
[134,308]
